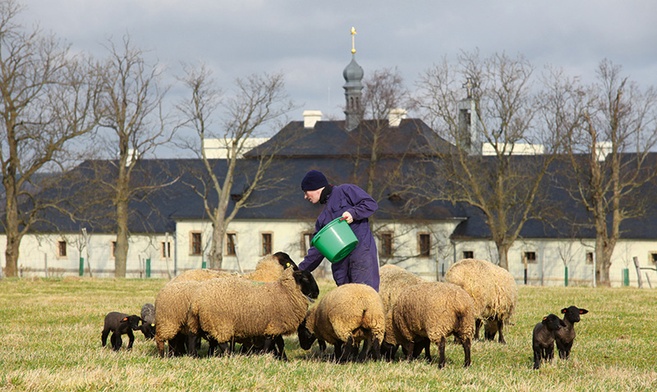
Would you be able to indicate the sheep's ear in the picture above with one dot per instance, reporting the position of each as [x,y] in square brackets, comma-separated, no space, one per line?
[544,318]
[124,320]
[583,311]
[564,310]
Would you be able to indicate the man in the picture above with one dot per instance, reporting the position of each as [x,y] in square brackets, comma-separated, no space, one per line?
[355,206]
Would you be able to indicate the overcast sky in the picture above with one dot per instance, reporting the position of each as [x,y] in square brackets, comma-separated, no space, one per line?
[310,43]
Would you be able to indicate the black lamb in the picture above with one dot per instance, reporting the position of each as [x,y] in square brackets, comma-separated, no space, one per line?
[565,336]
[147,326]
[119,324]
[543,338]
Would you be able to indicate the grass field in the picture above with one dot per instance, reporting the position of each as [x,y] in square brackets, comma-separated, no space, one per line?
[50,341]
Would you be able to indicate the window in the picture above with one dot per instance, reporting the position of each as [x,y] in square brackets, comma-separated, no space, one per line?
[266,244]
[113,249]
[385,248]
[305,242]
[231,244]
[166,249]
[424,245]
[196,245]
[529,257]
[468,254]
[61,249]
[653,257]
[589,257]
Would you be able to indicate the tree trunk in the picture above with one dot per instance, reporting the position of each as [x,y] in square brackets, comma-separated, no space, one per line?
[121,250]
[217,254]
[12,230]
[503,254]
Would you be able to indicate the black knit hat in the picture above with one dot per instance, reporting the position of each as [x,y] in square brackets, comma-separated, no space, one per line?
[313,180]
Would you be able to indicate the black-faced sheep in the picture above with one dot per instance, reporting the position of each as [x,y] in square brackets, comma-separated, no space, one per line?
[493,289]
[235,308]
[173,303]
[119,324]
[543,338]
[171,306]
[270,267]
[393,281]
[345,316]
[433,311]
[147,326]
[565,336]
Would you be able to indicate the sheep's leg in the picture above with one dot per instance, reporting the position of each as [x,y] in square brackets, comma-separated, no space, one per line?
[408,349]
[159,343]
[441,352]
[537,357]
[116,341]
[337,351]
[376,349]
[367,346]
[280,346]
[477,327]
[466,352]
[103,336]
[500,324]
[131,337]
[192,344]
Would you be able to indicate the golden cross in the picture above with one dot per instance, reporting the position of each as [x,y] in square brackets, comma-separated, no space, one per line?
[353,40]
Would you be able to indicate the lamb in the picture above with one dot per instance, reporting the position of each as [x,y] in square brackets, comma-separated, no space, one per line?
[565,336]
[346,315]
[433,311]
[171,307]
[493,290]
[147,326]
[393,281]
[543,338]
[119,324]
[235,308]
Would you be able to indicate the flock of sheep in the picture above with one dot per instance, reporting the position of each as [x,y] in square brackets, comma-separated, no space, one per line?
[258,309]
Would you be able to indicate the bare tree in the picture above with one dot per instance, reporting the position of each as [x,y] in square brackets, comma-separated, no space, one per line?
[259,101]
[131,109]
[611,156]
[495,111]
[47,100]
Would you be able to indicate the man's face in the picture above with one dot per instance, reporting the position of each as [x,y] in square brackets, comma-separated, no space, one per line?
[313,196]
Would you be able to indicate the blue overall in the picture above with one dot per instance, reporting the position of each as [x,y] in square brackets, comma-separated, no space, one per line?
[362,264]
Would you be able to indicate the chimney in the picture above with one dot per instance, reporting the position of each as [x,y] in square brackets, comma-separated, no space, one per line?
[310,117]
[395,116]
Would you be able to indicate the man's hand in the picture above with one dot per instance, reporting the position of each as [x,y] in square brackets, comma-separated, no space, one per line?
[347,216]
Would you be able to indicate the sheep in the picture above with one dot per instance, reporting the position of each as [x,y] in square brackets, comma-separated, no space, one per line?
[173,310]
[348,314]
[565,336]
[270,267]
[147,326]
[543,338]
[119,324]
[234,308]
[171,307]
[199,275]
[393,281]
[493,289]
[433,311]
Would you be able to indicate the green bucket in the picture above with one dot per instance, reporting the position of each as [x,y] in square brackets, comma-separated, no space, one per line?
[335,240]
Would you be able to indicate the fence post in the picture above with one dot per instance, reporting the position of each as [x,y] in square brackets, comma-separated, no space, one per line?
[638,271]
[148,267]
[626,277]
[81,269]
[565,276]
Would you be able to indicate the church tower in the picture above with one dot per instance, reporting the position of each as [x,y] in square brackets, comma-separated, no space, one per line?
[353,75]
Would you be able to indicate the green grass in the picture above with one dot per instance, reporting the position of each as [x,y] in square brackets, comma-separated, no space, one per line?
[50,341]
